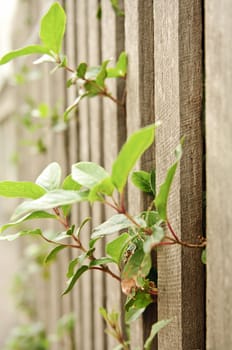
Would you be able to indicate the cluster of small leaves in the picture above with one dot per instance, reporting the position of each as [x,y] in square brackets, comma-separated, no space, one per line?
[114,329]
[90,80]
[51,198]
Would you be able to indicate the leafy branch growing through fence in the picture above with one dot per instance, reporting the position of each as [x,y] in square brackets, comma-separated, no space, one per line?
[51,198]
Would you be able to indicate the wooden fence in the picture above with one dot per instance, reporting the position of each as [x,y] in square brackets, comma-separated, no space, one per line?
[172,45]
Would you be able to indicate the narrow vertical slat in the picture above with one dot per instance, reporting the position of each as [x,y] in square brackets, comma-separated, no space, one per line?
[178,94]
[96,144]
[218,170]
[114,130]
[86,303]
[140,110]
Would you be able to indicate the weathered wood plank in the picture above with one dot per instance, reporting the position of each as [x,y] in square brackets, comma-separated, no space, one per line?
[218,170]
[140,110]
[86,303]
[178,92]
[96,155]
[114,129]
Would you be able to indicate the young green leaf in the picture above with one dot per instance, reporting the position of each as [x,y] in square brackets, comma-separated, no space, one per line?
[142,180]
[53,253]
[115,223]
[131,151]
[75,277]
[73,263]
[81,70]
[50,177]
[100,261]
[88,174]
[102,75]
[19,234]
[50,200]
[116,247]
[83,223]
[154,330]
[20,189]
[136,305]
[162,197]
[28,50]
[105,187]
[70,184]
[52,28]
[120,69]
[35,215]
[116,8]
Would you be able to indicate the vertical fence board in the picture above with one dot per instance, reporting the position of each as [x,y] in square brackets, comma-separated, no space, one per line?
[178,56]
[140,110]
[218,170]
[84,148]
[114,131]
[96,146]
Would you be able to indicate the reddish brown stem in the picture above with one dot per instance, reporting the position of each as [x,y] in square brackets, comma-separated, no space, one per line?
[107,270]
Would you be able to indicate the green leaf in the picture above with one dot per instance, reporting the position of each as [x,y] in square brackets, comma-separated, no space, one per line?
[75,277]
[162,197]
[28,50]
[142,180]
[35,215]
[102,75]
[53,253]
[156,237]
[92,89]
[81,70]
[136,305]
[73,263]
[120,69]
[70,184]
[115,223]
[156,327]
[88,174]
[19,234]
[50,178]
[101,261]
[151,218]
[50,200]
[52,28]
[83,223]
[132,150]
[105,187]
[153,182]
[92,72]
[116,247]
[132,267]
[204,256]
[116,8]
[20,189]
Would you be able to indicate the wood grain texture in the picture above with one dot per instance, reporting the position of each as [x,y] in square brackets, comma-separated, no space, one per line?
[114,130]
[219,163]
[140,112]
[96,155]
[178,91]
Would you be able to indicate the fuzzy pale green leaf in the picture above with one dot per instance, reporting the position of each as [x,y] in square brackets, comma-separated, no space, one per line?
[88,174]
[35,215]
[28,50]
[115,223]
[50,200]
[50,178]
